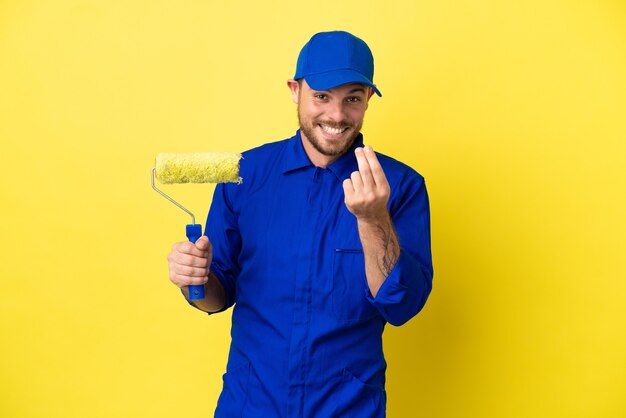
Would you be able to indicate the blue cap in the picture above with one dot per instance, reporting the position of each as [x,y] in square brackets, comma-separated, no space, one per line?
[331,59]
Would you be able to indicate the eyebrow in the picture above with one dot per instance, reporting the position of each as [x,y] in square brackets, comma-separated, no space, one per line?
[354,90]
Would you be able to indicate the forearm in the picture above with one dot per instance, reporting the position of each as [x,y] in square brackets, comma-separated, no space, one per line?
[214,296]
[380,249]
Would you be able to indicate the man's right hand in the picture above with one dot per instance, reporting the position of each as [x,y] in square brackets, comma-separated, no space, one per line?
[189,263]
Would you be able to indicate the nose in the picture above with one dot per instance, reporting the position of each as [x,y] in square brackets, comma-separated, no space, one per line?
[336,111]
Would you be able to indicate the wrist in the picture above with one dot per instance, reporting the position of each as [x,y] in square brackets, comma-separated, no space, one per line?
[377,220]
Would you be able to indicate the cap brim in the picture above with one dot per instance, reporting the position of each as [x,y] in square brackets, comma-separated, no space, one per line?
[332,79]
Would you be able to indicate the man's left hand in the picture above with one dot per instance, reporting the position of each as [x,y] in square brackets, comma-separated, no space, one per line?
[367,190]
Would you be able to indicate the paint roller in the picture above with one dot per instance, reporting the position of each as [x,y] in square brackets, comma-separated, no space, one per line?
[205,167]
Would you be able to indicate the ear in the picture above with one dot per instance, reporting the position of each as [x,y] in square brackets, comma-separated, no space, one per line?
[295,90]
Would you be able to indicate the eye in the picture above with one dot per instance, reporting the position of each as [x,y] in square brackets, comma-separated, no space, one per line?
[321,96]
[353,99]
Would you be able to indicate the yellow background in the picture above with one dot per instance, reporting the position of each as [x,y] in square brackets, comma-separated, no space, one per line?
[513,111]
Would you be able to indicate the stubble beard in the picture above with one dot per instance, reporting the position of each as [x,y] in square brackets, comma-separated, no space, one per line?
[318,143]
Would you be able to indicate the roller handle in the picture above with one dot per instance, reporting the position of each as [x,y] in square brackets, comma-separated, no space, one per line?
[194,232]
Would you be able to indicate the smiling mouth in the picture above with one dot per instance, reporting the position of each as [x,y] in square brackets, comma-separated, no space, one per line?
[333,131]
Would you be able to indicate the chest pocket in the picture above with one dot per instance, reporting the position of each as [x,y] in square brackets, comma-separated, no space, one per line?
[350,287]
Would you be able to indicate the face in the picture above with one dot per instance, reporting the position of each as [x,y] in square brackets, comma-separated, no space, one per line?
[330,120]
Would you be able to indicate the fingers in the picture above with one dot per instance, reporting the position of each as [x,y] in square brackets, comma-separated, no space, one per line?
[190,260]
[189,263]
[201,248]
[372,174]
[357,181]
[364,173]
[348,188]
[185,275]
[367,190]
[203,243]
[375,168]
[181,281]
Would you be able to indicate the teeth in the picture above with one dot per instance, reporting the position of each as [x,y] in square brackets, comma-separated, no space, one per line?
[332,131]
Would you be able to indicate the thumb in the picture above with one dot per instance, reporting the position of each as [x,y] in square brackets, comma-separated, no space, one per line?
[202,243]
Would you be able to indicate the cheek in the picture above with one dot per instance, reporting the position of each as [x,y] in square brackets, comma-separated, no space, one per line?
[313,112]
[356,114]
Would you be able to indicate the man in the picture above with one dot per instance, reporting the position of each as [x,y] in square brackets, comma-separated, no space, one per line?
[322,244]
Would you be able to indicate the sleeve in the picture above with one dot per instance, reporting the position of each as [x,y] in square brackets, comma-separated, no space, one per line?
[405,291]
[223,233]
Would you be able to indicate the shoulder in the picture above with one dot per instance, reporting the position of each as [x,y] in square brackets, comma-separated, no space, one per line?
[255,166]
[407,186]
[262,156]
[397,171]
[258,162]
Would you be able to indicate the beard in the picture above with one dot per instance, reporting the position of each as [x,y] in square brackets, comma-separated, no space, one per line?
[326,147]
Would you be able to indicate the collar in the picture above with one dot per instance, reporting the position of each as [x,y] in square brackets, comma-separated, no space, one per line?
[295,157]
[346,164]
